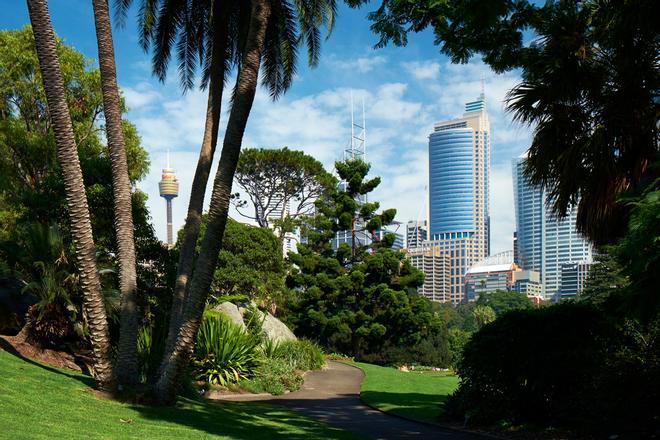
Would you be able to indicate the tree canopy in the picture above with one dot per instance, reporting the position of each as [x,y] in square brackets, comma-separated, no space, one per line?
[275,178]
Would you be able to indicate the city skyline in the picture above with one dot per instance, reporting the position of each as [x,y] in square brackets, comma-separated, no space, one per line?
[405,91]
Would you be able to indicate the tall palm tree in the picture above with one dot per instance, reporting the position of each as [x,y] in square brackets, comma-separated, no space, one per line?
[127,358]
[67,153]
[273,37]
[201,32]
[246,85]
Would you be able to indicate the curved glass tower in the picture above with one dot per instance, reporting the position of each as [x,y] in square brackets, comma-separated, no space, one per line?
[459,162]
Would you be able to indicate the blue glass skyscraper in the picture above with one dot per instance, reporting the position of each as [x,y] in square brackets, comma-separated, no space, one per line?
[545,242]
[459,163]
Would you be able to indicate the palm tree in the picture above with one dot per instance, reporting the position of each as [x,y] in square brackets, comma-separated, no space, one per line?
[590,88]
[127,359]
[272,36]
[67,153]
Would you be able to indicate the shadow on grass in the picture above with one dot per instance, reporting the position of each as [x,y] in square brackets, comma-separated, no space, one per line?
[241,420]
[418,406]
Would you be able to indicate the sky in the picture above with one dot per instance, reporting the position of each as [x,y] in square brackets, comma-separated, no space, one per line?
[404,90]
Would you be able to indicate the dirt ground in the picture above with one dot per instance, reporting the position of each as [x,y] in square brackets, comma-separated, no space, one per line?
[59,359]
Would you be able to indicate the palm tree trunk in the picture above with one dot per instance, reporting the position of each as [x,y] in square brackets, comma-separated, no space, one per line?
[202,172]
[246,86]
[67,153]
[127,359]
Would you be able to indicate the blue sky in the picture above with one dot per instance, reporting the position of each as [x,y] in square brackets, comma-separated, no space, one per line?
[405,90]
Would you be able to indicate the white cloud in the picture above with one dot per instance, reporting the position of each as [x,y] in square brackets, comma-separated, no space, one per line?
[140,95]
[422,70]
[361,64]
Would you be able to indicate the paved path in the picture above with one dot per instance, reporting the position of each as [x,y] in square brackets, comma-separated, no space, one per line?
[333,396]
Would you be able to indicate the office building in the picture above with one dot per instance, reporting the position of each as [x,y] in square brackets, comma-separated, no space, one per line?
[459,162]
[416,233]
[528,282]
[573,277]
[493,273]
[544,241]
[434,262]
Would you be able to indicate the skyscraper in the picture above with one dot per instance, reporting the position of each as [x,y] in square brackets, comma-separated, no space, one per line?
[459,162]
[169,189]
[545,242]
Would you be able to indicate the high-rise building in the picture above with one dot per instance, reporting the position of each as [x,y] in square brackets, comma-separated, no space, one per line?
[279,209]
[169,189]
[434,262]
[459,163]
[416,233]
[545,242]
[573,277]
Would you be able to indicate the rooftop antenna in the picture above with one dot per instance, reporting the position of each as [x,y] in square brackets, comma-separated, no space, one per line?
[483,86]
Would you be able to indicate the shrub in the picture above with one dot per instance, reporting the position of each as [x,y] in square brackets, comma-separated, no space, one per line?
[224,352]
[566,365]
[300,355]
[529,366]
[432,351]
[274,376]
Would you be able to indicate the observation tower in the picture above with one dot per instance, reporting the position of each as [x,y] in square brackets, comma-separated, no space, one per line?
[169,189]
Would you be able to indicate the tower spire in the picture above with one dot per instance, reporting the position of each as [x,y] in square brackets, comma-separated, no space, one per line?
[483,87]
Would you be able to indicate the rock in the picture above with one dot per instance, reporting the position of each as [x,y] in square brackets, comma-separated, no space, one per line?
[232,312]
[276,330]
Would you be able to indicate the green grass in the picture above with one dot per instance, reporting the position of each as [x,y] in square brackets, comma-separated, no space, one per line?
[417,395]
[42,402]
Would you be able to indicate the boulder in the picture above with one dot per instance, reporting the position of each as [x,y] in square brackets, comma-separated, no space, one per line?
[276,330]
[232,312]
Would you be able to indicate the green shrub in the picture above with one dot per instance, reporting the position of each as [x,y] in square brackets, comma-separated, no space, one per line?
[432,351]
[300,355]
[224,352]
[566,366]
[274,376]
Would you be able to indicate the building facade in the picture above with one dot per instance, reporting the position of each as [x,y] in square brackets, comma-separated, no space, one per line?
[528,282]
[416,233]
[573,277]
[434,262]
[496,272]
[544,241]
[459,165]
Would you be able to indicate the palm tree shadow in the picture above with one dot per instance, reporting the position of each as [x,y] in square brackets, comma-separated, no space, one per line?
[247,420]
[84,378]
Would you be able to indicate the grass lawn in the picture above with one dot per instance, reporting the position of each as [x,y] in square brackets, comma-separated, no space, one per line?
[42,402]
[418,395]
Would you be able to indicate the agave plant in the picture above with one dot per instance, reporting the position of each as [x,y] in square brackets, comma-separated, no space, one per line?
[225,353]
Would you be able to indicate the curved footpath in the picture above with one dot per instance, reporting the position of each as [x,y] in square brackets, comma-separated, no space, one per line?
[333,396]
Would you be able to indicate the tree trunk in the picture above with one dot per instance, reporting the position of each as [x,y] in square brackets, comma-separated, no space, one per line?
[127,359]
[67,154]
[202,172]
[246,86]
